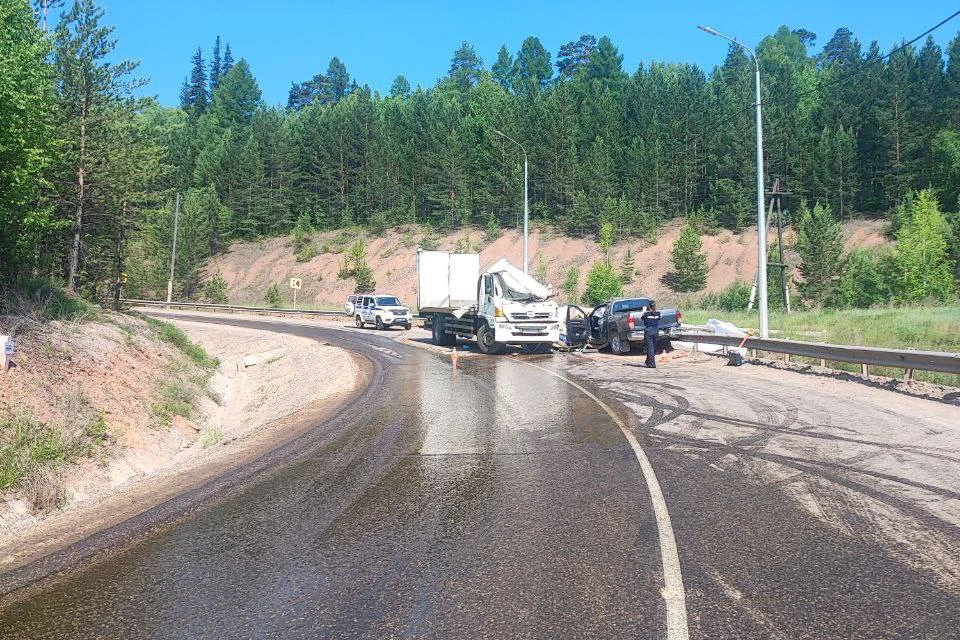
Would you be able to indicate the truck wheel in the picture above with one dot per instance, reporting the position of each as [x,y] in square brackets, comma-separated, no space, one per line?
[440,337]
[358,321]
[380,326]
[487,342]
[618,345]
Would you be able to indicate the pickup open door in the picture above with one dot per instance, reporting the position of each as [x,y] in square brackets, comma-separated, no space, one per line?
[598,324]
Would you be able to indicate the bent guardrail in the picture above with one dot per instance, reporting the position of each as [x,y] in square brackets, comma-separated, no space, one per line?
[940,361]
[205,306]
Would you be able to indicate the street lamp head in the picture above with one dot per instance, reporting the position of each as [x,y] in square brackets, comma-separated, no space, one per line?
[709,30]
[498,132]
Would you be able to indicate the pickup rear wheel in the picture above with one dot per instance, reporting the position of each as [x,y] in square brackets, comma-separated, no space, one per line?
[618,345]
[487,342]
[358,321]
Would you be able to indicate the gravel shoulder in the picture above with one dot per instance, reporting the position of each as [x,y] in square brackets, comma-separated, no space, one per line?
[268,389]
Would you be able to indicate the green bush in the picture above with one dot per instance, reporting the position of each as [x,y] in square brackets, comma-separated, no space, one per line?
[735,297]
[215,289]
[307,252]
[273,297]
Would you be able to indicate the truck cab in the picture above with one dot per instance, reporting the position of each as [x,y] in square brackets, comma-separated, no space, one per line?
[499,306]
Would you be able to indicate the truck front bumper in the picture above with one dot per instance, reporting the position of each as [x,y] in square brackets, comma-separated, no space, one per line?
[525,333]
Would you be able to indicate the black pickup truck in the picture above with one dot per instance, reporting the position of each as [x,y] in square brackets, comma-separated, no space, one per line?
[617,323]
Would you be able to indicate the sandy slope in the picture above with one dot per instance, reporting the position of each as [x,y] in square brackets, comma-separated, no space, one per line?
[264,382]
[249,268]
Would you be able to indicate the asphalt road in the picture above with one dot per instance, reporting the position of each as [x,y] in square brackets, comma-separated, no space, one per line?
[496,500]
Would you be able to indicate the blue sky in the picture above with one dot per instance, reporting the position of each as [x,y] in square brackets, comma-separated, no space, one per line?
[287,40]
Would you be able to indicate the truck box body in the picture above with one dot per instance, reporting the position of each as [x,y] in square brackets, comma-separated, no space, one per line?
[447,281]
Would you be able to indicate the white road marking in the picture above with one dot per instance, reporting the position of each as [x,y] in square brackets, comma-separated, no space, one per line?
[673,593]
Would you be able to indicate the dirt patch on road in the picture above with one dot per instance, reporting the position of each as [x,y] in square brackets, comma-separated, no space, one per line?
[268,389]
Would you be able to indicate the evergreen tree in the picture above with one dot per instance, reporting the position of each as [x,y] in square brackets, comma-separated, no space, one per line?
[629,268]
[273,297]
[194,96]
[923,267]
[571,285]
[532,69]
[465,67]
[216,65]
[862,282]
[227,61]
[573,56]
[503,69]
[400,87]
[820,245]
[92,93]
[689,265]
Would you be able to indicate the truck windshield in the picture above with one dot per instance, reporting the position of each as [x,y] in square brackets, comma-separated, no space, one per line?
[388,301]
[513,290]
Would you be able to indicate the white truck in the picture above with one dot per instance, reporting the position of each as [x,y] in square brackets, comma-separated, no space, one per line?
[500,306]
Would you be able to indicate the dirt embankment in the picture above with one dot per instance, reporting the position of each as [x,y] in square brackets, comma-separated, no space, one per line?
[165,423]
[251,267]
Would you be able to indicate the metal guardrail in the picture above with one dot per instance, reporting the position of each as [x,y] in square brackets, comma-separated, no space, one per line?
[941,361]
[228,307]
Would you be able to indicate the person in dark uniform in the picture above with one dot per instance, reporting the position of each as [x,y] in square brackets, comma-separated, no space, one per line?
[651,331]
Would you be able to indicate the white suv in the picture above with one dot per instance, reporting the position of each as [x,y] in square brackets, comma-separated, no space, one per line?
[383,311]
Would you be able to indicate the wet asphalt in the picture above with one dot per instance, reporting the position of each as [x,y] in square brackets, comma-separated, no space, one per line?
[488,501]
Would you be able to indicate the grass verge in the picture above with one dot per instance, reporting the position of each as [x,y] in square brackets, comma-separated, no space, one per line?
[31,454]
[921,328]
[174,336]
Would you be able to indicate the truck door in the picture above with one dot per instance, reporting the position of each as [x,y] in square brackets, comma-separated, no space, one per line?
[488,292]
[366,309]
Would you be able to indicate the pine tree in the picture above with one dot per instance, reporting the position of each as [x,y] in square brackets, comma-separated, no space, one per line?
[93,96]
[273,297]
[689,265]
[922,262]
[573,56]
[532,68]
[195,97]
[571,285]
[503,69]
[465,67]
[216,65]
[227,62]
[603,282]
[820,245]
[629,268]
[400,87]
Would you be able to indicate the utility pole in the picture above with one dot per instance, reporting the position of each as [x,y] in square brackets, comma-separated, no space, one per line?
[761,222]
[526,200]
[173,249]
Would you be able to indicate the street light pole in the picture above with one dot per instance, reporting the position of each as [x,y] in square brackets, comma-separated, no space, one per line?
[761,222]
[526,199]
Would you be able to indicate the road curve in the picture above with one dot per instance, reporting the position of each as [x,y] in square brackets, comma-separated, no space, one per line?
[494,500]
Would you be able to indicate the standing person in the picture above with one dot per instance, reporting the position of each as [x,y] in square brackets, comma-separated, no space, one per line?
[651,331]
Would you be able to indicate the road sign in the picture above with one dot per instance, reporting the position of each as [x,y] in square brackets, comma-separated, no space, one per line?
[296,283]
